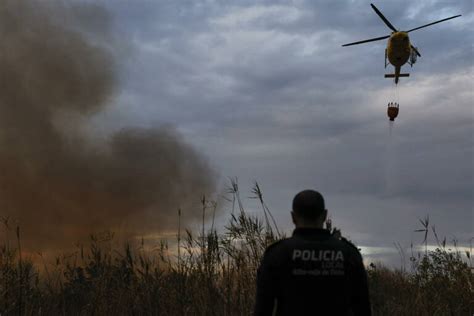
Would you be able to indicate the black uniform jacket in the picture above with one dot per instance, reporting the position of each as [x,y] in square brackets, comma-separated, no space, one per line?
[312,273]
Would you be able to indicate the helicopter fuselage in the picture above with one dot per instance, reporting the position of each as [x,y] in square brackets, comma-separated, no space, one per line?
[399,51]
[398,48]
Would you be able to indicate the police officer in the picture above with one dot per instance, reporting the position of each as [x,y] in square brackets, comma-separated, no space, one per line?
[312,272]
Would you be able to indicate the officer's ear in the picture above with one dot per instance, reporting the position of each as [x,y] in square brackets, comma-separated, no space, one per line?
[293,217]
[324,215]
[297,220]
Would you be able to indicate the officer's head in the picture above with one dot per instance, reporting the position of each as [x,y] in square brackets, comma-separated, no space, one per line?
[309,209]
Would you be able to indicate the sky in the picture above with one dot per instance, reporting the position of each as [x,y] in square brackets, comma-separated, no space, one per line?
[265,92]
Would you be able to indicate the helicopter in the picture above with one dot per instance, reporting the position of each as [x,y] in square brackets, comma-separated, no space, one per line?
[399,50]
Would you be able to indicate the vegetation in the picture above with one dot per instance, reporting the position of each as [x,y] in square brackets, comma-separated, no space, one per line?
[209,274]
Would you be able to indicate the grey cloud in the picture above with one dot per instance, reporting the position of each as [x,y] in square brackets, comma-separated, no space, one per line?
[280,101]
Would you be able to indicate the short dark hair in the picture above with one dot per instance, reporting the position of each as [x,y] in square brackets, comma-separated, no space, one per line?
[308,204]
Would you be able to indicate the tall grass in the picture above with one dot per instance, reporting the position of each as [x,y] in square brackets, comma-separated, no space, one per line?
[212,273]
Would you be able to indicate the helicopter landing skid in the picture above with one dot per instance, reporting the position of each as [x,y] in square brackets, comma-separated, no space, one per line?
[393,75]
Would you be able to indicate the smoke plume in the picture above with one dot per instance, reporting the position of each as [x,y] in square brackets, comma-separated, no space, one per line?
[56,71]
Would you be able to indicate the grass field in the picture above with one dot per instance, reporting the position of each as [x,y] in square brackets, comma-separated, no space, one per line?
[207,274]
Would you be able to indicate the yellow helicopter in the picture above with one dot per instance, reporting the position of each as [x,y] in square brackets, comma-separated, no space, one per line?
[399,49]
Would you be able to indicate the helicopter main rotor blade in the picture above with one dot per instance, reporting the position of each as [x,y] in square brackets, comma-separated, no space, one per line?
[420,27]
[383,18]
[369,40]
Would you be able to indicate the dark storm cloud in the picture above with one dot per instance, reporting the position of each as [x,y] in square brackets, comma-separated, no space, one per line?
[266,89]
[59,181]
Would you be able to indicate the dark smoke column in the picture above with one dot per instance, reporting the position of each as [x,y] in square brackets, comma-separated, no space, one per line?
[58,184]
